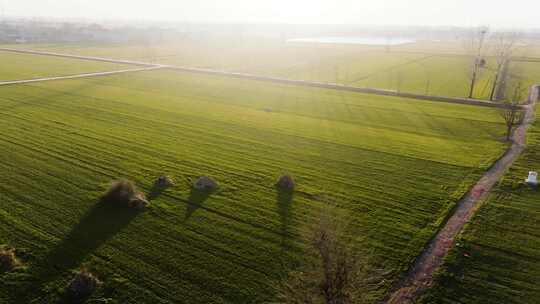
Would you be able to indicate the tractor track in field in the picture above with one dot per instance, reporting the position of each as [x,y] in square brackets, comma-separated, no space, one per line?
[256,77]
[72,56]
[84,75]
[420,276]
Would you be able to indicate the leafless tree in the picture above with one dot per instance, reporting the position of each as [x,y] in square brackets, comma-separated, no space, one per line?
[513,115]
[474,45]
[335,273]
[504,44]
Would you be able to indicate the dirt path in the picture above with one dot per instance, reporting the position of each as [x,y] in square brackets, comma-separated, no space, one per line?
[420,276]
[14,82]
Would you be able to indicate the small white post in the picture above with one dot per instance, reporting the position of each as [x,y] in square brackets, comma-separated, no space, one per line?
[532,179]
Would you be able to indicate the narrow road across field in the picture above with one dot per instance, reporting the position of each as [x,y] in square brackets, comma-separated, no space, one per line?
[71,56]
[25,81]
[305,83]
[420,276]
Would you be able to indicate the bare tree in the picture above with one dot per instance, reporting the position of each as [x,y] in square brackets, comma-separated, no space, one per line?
[513,115]
[335,272]
[504,46]
[474,45]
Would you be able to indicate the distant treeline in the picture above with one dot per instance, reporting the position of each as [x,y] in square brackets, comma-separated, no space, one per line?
[58,31]
[23,31]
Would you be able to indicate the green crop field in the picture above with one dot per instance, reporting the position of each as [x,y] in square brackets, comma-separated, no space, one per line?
[435,75]
[497,259]
[393,166]
[530,72]
[423,67]
[23,66]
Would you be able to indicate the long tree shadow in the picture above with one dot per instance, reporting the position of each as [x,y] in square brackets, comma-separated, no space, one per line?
[195,201]
[98,225]
[284,204]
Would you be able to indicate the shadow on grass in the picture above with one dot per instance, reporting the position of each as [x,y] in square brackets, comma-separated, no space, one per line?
[155,192]
[98,225]
[195,201]
[284,204]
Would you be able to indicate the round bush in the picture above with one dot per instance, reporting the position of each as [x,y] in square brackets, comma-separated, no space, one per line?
[8,260]
[83,284]
[205,183]
[286,182]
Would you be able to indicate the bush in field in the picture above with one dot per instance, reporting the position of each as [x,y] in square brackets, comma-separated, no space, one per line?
[205,183]
[125,193]
[286,182]
[8,260]
[163,182]
[138,201]
[82,285]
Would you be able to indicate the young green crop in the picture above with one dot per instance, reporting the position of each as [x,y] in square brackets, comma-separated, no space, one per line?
[424,67]
[496,258]
[393,166]
[23,66]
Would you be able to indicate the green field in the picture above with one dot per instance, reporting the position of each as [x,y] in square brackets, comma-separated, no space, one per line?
[423,67]
[23,66]
[393,166]
[498,256]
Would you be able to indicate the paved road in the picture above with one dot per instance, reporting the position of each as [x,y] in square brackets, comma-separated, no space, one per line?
[324,85]
[25,81]
[420,276]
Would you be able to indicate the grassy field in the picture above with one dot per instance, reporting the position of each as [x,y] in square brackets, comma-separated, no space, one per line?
[423,67]
[530,72]
[22,66]
[393,166]
[497,259]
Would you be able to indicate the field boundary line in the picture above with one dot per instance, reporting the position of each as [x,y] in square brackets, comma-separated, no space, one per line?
[85,75]
[305,83]
[341,87]
[80,57]
[421,275]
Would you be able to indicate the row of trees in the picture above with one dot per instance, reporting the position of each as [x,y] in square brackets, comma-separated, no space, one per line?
[482,46]
[507,85]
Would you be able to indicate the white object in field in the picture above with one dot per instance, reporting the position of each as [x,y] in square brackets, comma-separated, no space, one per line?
[532,179]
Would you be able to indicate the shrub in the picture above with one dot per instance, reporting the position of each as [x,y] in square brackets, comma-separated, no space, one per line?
[8,260]
[138,201]
[83,284]
[120,192]
[163,182]
[125,193]
[285,182]
[205,183]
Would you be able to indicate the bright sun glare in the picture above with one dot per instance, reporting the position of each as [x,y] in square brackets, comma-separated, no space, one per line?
[381,12]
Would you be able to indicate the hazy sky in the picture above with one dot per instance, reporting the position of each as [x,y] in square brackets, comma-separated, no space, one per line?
[515,13]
